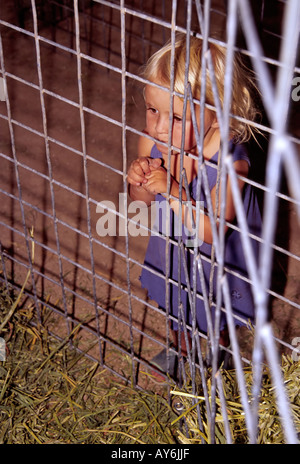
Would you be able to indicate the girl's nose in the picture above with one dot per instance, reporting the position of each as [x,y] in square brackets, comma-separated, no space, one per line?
[162,125]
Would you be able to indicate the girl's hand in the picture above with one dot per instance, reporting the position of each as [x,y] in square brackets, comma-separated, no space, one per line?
[156,181]
[140,168]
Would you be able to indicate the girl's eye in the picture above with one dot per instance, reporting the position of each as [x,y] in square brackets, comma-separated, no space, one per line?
[152,110]
[177,118]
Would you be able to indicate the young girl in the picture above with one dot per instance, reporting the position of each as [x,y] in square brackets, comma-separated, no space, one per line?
[148,182]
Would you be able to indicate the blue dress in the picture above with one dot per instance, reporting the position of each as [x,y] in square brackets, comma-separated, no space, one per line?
[153,276]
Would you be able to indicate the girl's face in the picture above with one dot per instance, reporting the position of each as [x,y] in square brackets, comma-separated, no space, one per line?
[157,119]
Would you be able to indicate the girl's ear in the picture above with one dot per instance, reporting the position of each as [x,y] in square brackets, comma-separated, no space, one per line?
[215,124]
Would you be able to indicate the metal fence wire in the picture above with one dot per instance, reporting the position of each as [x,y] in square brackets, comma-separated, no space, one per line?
[72,112]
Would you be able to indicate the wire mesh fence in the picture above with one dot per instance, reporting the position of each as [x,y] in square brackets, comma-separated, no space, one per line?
[72,113]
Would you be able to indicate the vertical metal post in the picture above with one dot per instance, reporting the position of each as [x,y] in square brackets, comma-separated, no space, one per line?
[85,170]
[17,174]
[48,155]
[124,151]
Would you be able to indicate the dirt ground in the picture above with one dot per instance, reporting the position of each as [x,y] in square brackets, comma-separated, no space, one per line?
[65,280]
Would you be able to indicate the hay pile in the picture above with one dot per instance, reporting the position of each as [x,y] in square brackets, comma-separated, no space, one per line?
[50,393]
[269,431]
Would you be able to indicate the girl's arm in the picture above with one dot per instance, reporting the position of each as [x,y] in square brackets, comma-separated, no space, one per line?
[157,182]
[205,229]
[242,168]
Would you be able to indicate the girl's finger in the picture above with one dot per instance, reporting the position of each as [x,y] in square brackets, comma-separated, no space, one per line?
[144,164]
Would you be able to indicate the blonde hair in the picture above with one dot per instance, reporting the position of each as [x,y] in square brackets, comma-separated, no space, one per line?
[242,102]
